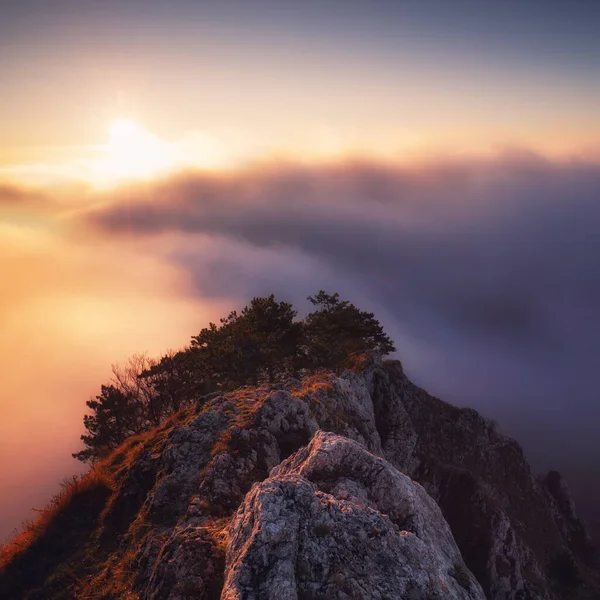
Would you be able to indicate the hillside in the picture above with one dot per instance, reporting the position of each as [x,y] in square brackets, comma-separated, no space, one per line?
[357,486]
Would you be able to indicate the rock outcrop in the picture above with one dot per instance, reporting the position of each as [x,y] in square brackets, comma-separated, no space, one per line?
[354,487]
[334,521]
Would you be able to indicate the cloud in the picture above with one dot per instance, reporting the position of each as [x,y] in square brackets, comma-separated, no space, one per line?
[483,271]
[13,196]
[488,267]
[486,247]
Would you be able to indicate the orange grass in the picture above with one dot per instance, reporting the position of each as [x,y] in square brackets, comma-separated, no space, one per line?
[60,502]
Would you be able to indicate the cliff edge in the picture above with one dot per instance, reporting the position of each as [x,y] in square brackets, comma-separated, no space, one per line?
[360,486]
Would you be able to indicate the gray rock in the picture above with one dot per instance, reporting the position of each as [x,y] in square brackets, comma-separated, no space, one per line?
[508,527]
[334,521]
[316,483]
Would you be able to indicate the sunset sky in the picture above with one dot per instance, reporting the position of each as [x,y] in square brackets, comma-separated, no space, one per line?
[238,80]
[434,161]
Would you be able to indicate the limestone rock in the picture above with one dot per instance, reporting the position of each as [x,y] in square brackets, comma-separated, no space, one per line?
[353,486]
[336,522]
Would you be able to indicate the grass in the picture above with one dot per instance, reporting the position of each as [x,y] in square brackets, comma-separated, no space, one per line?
[153,440]
[314,384]
[111,579]
[63,554]
[246,403]
[72,488]
[55,555]
[218,530]
[357,362]
[50,550]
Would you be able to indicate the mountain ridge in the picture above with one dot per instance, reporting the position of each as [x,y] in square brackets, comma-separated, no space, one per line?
[166,524]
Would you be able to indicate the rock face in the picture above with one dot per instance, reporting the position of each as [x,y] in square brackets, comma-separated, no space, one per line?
[334,521]
[501,517]
[354,487]
[565,516]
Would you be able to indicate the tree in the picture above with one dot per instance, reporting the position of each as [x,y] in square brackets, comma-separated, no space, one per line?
[276,338]
[264,343]
[115,417]
[128,379]
[338,330]
[222,358]
[258,345]
[176,379]
[133,402]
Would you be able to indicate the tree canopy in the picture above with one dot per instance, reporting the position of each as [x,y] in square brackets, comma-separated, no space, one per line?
[114,418]
[338,330]
[264,343]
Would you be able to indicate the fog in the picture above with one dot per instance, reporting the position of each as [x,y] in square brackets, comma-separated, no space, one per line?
[484,272]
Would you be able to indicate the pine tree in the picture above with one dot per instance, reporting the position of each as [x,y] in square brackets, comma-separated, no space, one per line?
[264,343]
[115,417]
[338,330]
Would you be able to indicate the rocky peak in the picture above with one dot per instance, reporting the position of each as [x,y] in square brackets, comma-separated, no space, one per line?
[357,486]
[335,521]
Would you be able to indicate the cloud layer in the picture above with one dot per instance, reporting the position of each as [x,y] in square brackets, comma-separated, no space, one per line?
[487,263]
[484,272]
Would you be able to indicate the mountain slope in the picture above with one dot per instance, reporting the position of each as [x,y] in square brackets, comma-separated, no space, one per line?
[244,495]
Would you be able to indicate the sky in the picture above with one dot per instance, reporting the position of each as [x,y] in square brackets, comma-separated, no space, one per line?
[435,162]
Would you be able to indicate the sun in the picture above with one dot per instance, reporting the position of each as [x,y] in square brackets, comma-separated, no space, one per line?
[123,131]
[132,153]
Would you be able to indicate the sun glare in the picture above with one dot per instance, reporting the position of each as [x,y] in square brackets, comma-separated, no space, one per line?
[122,130]
[131,153]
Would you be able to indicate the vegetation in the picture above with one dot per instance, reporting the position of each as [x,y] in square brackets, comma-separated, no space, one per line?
[338,330]
[49,552]
[265,343]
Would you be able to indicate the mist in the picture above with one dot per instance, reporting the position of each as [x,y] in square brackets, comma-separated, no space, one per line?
[484,273]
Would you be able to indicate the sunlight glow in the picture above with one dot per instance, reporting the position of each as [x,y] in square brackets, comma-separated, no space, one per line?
[130,153]
[133,153]
[123,130]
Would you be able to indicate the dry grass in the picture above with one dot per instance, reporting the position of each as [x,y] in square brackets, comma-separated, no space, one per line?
[114,579]
[318,386]
[121,459]
[218,530]
[62,542]
[222,444]
[60,503]
[61,551]
[356,362]
[319,382]
[51,555]
[124,455]
[246,403]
